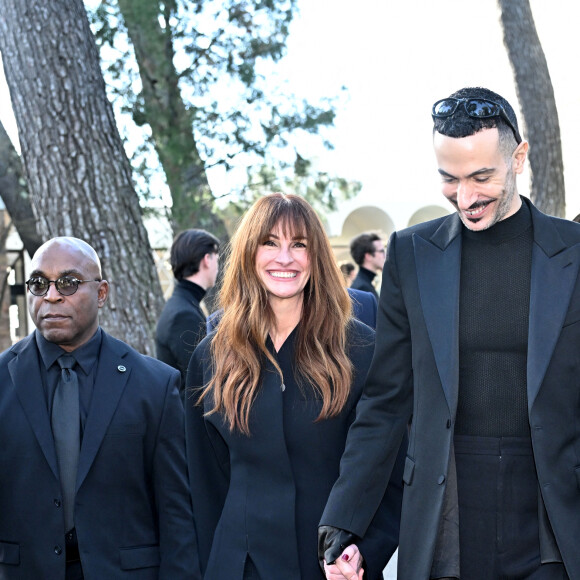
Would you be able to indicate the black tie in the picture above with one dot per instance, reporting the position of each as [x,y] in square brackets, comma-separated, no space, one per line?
[66,433]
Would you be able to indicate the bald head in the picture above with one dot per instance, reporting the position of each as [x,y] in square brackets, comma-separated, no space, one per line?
[74,246]
[68,320]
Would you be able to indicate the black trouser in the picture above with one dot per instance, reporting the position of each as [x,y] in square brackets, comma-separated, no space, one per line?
[497,488]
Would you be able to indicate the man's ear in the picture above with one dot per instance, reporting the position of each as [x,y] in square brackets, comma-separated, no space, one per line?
[102,293]
[205,261]
[519,157]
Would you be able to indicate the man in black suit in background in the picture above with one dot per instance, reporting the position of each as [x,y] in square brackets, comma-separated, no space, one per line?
[93,477]
[368,251]
[182,324]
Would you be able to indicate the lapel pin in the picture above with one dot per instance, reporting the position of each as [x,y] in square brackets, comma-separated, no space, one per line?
[121,368]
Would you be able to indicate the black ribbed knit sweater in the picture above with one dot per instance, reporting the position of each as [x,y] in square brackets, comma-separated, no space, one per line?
[493,328]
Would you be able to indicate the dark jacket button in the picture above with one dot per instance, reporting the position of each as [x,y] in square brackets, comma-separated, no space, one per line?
[58,550]
[57,502]
[448,423]
[440,479]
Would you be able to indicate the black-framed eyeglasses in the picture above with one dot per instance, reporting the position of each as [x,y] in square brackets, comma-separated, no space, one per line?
[65,285]
[477,108]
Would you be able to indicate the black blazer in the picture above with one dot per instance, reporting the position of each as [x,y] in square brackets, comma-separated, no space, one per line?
[419,376]
[180,328]
[263,495]
[132,514]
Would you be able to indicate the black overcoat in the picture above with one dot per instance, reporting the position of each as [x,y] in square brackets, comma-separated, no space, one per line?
[415,372]
[262,495]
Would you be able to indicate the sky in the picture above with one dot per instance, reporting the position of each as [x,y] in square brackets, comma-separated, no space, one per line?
[396,58]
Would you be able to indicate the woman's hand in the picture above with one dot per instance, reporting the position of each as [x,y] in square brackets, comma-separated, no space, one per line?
[347,567]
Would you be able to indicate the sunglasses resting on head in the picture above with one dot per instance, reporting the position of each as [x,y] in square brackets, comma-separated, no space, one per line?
[474,107]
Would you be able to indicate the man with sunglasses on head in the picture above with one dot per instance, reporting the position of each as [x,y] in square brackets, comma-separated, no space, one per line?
[92,454]
[478,335]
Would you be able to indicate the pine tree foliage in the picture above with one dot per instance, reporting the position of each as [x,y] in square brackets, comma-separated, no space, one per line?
[198,78]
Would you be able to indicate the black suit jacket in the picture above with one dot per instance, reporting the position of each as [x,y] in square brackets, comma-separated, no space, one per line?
[132,513]
[180,328]
[263,495]
[419,377]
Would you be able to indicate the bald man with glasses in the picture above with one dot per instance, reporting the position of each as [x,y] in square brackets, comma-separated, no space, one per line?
[92,452]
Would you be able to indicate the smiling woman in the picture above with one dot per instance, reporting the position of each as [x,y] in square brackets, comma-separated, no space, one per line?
[272,395]
[283,265]
[273,281]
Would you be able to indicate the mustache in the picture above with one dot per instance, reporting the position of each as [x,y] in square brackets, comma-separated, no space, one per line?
[477,205]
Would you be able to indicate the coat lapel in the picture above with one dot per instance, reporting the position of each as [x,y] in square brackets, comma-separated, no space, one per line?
[438,261]
[111,378]
[554,274]
[25,373]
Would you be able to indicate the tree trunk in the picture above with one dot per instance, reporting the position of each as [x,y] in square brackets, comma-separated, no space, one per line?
[14,193]
[170,121]
[536,97]
[5,340]
[77,171]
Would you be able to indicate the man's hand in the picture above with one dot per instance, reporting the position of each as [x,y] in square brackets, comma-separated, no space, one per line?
[331,543]
[347,567]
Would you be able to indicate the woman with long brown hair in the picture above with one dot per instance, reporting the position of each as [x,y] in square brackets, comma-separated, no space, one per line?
[271,394]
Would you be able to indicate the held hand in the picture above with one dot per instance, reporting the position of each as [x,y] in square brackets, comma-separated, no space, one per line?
[331,543]
[347,567]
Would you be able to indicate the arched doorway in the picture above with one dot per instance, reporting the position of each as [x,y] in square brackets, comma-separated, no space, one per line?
[363,219]
[427,213]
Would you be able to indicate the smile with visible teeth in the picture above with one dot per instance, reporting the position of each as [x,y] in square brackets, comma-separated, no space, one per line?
[283,274]
[477,211]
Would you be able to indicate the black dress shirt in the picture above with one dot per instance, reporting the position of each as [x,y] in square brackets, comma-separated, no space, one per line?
[86,357]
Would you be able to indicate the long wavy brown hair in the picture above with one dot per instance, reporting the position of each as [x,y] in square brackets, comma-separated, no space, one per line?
[239,349]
